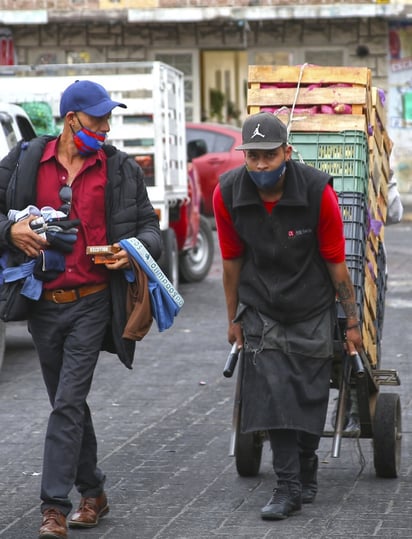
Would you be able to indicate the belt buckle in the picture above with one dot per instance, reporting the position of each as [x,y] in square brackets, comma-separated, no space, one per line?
[56,293]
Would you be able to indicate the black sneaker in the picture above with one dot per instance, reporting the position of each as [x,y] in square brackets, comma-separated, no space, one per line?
[282,504]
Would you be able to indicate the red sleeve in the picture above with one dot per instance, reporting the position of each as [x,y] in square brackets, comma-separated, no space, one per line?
[231,246]
[330,229]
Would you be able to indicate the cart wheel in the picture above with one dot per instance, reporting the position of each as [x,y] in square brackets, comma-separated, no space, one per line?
[387,435]
[248,453]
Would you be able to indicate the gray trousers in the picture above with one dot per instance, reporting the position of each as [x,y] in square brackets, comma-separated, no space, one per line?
[68,339]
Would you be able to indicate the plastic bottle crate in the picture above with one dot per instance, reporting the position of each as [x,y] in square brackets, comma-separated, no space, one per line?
[355,217]
[343,155]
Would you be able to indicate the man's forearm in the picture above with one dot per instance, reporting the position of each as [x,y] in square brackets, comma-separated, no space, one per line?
[345,291]
[231,277]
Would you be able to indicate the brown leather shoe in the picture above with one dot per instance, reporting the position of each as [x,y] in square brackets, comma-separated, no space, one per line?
[89,512]
[53,525]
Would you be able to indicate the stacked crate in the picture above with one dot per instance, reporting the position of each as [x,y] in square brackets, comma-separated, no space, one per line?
[336,120]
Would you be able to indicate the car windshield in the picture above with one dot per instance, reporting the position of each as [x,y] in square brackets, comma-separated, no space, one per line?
[215,142]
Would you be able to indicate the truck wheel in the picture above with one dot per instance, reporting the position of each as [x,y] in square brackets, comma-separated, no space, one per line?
[387,435]
[195,263]
[169,259]
[2,342]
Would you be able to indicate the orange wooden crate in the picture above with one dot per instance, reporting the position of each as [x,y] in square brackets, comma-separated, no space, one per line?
[312,86]
[311,74]
[333,123]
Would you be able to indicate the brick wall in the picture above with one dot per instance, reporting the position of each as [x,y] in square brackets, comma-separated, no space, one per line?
[94,40]
[101,42]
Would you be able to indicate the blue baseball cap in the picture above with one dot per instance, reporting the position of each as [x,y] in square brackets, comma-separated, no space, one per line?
[88,97]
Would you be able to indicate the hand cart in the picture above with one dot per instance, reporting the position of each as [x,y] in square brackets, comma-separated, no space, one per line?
[379,414]
[358,160]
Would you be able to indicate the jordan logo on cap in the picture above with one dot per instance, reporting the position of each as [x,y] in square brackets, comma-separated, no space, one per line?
[256,132]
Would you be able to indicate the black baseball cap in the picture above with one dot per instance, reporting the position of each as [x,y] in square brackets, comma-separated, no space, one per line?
[263,131]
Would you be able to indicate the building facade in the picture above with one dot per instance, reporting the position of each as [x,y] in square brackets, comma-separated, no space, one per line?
[214,41]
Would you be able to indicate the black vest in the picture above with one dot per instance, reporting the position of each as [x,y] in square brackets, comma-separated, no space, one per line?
[283,275]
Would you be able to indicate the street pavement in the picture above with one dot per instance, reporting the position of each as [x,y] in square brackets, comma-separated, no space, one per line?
[163,431]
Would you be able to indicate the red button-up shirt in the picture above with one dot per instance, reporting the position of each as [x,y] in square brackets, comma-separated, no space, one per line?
[88,205]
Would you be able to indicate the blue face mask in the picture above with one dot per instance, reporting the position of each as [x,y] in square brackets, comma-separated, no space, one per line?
[268,178]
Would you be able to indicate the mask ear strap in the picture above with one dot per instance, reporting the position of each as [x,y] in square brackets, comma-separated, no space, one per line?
[78,119]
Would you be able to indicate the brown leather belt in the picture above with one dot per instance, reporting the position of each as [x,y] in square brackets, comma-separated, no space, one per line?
[67,296]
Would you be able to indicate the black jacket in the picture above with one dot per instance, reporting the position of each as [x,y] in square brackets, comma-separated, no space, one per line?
[129,213]
[283,274]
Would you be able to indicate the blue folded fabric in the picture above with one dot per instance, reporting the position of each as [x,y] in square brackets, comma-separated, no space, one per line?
[32,287]
[3,264]
[48,265]
[165,299]
[61,241]
[163,309]
[53,260]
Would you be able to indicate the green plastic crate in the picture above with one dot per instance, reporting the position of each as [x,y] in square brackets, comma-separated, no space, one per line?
[343,155]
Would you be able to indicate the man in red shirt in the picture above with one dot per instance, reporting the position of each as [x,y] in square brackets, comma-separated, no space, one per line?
[281,236]
[100,196]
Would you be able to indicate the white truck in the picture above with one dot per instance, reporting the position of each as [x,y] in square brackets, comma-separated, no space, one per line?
[152,129]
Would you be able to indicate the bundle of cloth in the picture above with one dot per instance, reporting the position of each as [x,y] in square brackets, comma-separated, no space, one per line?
[60,232]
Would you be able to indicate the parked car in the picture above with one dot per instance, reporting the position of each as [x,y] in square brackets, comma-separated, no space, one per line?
[194,235]
[14,126]
[212,148]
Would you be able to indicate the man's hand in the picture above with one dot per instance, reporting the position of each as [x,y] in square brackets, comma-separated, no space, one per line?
[354,340]
[25,239]
[119,260]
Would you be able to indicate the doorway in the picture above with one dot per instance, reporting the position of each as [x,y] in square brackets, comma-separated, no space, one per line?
[224,86]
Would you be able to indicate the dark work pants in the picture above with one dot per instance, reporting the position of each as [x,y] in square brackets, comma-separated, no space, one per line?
[288,448]
[68,339]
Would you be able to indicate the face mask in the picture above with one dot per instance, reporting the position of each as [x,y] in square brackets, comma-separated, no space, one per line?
[268,178]
[87,141]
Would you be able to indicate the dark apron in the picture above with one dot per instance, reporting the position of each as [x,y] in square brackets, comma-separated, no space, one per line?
[287,369]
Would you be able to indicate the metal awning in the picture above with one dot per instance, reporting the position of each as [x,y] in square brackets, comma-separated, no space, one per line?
[255,13]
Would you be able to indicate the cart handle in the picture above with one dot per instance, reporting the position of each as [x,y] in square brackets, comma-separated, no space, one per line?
[357,365]
[231,361]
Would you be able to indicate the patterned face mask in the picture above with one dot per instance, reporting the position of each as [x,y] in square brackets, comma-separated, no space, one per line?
[87,141]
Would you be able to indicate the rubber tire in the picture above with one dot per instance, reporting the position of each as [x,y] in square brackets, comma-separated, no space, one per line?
[194,264]
[387,435]
[248,451]
[2,342]
[169,259]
